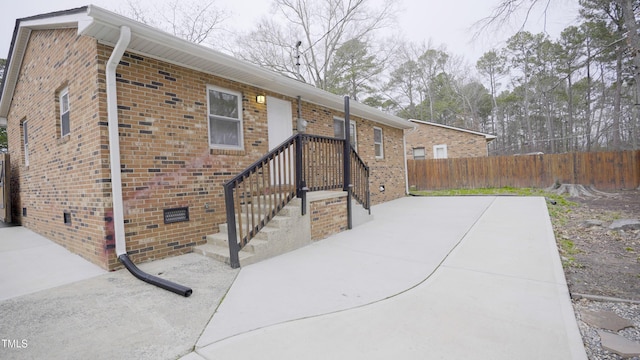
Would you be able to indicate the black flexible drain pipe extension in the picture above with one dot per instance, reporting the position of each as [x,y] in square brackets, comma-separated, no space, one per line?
[154,280]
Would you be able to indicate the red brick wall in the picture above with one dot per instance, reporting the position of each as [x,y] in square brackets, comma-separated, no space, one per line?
[328,217]
[165,157]
[460,144]
[64,174]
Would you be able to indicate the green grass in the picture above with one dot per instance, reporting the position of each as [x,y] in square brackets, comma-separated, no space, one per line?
[559,212]
[494,191]
[568,249]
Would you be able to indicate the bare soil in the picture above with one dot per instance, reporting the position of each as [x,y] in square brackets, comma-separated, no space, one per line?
[598,260]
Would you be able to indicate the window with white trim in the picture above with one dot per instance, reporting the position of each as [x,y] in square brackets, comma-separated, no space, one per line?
[338,131]
[440,151]
[419,153]
[378,142]
[225,118]
[65,127]
[25,142]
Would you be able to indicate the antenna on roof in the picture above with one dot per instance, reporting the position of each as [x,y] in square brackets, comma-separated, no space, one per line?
[298,57]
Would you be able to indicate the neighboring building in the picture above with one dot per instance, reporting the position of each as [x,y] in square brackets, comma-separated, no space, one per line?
[435,141]
[189,118]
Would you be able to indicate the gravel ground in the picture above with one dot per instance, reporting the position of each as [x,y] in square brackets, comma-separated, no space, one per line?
[590,336]
[602,262]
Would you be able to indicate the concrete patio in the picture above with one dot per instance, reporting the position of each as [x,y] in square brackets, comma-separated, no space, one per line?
[429,278]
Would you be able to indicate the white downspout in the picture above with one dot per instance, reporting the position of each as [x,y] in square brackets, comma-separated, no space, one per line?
[114,139]
[116,176]
[406,167]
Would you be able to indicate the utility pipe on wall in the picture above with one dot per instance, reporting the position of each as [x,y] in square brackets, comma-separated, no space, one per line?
[116,177]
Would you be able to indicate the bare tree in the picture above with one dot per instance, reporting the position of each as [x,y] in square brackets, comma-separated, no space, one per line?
[192,20]
[505,10]
[318,28]
[633,41]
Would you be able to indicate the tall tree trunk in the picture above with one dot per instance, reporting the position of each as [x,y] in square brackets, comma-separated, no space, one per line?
[633,41]
[527,119]
[617,102]
[570,126]
[588,100]
[550,127]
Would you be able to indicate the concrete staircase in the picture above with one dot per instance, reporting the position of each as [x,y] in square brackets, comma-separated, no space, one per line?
[287,231]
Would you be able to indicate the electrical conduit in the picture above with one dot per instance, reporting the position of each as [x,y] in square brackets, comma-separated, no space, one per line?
[116,178]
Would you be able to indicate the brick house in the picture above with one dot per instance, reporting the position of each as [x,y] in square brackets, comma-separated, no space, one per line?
[123,135]
[436,141]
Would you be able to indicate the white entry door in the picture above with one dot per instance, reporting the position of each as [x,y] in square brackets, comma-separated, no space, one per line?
[280,128]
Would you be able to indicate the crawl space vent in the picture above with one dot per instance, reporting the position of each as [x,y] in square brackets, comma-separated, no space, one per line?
[176,215]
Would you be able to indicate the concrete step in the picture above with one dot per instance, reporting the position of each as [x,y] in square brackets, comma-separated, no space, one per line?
[282,221]
[268,233]
[221,253]
[220,240]
[255,246]
[265,244]
[291,208]
[278,221]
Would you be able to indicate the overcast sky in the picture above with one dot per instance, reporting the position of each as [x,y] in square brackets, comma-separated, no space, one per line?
[447,22]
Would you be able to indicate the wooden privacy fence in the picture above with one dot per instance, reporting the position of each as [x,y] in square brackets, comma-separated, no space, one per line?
[604,170]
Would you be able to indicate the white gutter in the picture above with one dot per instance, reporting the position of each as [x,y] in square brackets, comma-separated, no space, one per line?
[488,137]
[114,139]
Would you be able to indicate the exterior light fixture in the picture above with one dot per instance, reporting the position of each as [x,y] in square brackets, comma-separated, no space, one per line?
[261,99]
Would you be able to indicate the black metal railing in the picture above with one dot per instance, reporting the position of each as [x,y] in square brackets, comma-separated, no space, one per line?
[301,163]
[322,162]
[360,180]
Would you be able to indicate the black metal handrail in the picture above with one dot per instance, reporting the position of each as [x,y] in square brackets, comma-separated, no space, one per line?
[360,180]
[263,189]
[301,163]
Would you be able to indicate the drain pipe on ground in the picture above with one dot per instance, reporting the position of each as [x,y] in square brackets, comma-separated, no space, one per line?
[116,177]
